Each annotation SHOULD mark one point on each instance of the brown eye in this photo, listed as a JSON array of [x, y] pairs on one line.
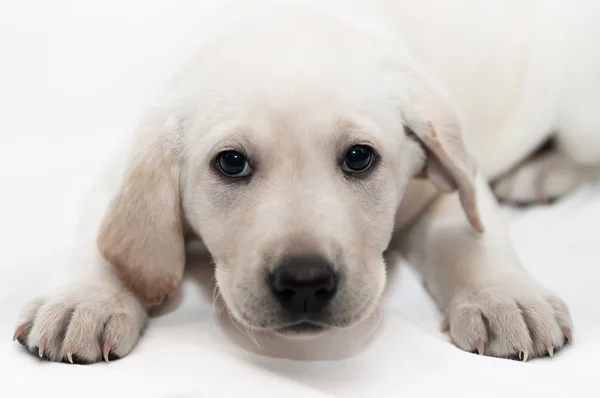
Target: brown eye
[[358, 159], [233, 164]]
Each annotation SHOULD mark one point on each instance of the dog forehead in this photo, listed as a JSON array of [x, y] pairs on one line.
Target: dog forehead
[[285, 65], [274, 90]]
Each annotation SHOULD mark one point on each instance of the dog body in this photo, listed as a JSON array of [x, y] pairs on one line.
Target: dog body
[[437, 100]]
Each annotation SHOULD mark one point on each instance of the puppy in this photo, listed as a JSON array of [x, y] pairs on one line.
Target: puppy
[[305, 141]]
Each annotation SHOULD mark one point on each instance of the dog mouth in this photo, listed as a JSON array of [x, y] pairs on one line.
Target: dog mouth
[[301, 330]]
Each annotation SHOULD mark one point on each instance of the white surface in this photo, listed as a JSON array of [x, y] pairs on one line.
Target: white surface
[[67, 61]]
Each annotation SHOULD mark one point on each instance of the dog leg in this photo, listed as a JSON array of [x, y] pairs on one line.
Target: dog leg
[[546, 176], [95, 316], [491, 304]]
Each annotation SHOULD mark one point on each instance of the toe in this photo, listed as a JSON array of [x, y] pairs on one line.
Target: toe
[[542, 326], [49, 329], [120, 334], [26, 321], [468, 328], [82, 339], [509, 334], [562, 316]]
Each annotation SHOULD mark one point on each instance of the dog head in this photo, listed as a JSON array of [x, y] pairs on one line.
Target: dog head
[[288, 152]]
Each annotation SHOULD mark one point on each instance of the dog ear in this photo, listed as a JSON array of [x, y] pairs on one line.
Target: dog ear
[[432, 119], [141, 235]]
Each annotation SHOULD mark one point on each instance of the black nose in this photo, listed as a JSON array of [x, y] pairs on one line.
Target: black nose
[[303, 284]]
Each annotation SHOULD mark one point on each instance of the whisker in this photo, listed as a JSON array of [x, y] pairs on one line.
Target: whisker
[[216, 295], [245, 331], [252, 337], [217, 313]]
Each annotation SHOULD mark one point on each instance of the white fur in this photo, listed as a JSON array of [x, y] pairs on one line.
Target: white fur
[[515, 72]]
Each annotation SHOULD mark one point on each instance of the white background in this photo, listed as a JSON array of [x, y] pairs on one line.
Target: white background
[[69, 64]]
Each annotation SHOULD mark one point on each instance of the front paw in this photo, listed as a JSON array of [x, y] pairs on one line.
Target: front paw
[[82, 325], [509, 321]]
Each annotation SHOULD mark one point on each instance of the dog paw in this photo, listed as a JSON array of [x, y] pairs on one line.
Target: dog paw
[[82, 325], [517, 322], [541, 179]]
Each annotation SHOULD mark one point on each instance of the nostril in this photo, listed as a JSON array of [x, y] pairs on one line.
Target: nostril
[[285, 295], [324, 294]]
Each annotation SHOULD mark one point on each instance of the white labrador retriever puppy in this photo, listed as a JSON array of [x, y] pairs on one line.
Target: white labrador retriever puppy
[[305, 141]]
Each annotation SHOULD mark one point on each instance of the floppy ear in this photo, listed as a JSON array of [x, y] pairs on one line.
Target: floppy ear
[[141, 236], [432, 118]]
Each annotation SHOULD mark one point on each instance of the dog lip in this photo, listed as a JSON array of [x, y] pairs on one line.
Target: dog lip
[[302, 327]]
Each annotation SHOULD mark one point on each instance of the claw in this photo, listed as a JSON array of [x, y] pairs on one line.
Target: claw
[[19, 332], [480, 347], [550, 350], [445, 326], [42, 347], [523, 355], [70, 355], [567, 333], [106, 350]]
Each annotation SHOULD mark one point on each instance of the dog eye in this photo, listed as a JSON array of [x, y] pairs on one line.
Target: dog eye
[[233, 164], [358, 159]]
